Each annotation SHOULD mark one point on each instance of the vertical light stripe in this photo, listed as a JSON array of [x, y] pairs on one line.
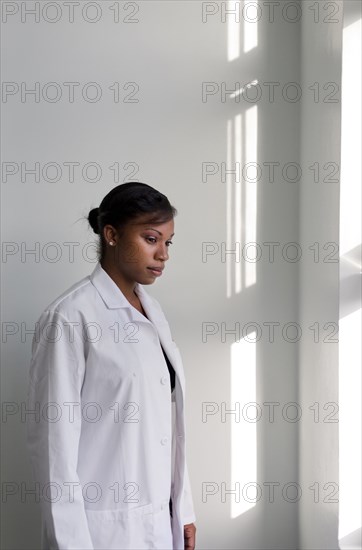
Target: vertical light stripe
[[251, 12], [243, 429], [251, 156], [350, 269], [238, 143], [233, 30], [229, 202]]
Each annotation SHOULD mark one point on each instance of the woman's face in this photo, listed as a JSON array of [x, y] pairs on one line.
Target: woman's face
[[141, 250]]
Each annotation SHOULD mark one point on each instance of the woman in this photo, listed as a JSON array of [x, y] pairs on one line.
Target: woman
[[107, 439]]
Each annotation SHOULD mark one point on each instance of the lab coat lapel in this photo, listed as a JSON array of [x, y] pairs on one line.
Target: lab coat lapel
[[114, 298], [157, 318]]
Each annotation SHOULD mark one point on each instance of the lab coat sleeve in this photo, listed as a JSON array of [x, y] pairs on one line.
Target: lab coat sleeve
[[53, 430], [187, 509], [187, 505]]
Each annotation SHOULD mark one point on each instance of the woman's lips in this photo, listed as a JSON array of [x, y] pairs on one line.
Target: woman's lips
[[155, 271]]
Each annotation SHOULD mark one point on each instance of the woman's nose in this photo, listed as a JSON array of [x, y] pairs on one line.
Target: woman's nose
[[162, 252]]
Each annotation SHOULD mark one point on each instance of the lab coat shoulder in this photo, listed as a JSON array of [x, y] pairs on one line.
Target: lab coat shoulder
[[74, 300], [58, 332]]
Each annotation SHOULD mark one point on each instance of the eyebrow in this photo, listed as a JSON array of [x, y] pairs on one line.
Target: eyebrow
[[159, 232]]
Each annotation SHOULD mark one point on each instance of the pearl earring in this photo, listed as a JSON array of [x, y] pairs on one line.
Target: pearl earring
[[111, 243]]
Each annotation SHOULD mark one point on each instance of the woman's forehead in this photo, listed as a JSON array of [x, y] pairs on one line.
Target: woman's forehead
[[151, 219]]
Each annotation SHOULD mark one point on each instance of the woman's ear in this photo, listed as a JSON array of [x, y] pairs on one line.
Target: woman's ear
[[110, 234]]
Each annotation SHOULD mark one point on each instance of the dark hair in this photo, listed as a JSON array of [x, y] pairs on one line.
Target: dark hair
[[126, 202]]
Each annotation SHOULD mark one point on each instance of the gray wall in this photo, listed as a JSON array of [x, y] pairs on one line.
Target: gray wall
[[179, 141]]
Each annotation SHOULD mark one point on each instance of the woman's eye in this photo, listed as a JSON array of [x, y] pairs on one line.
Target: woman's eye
[[154, 240]]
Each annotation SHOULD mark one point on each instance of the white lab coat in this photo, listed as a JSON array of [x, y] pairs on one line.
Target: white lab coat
[[105, 455]]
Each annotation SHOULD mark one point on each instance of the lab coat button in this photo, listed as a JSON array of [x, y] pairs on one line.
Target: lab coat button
[[164, 380], [164, 440]]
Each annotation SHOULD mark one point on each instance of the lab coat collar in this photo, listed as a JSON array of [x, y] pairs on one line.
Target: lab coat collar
[[114, 298], [107, 288]]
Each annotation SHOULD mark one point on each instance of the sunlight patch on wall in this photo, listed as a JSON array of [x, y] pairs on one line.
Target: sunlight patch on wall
[[243, 428], [350, 234], [233, 32], [234, 206], [251, 160], [251, 15], [350, 424], [241, 180], [350, 295], [241, 16]]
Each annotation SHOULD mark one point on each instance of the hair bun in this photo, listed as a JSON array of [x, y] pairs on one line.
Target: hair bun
[[93, 219]]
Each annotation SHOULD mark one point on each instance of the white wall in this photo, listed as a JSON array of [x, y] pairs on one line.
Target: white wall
[[319, 282], [350, 296], [170, 133]]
